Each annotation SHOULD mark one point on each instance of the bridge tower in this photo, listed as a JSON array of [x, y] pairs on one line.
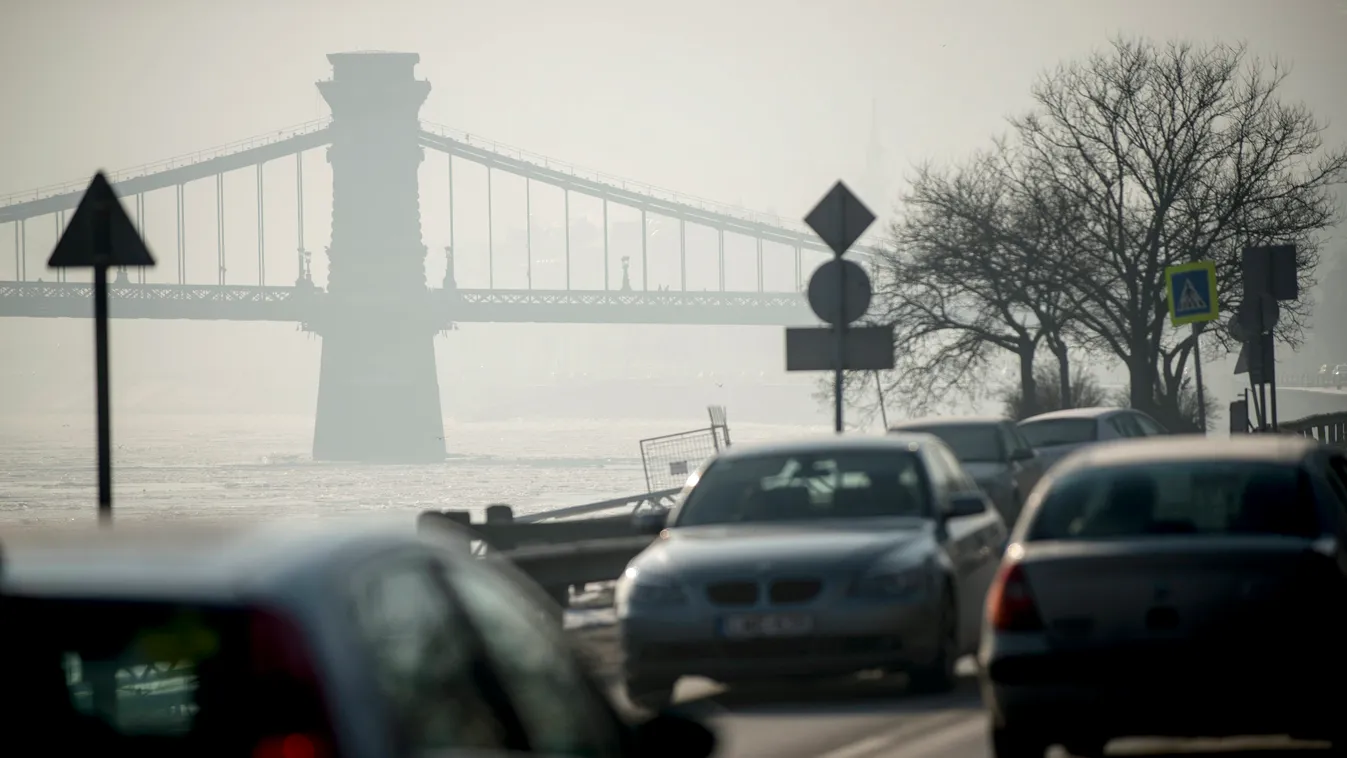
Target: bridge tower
[[378, 393]]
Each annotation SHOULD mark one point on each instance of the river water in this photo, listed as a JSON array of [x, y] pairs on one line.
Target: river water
[[210, 467]]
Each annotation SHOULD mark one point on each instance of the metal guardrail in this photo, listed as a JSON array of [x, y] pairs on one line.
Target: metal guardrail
[[558, 550], [1315, 380], [1328, 428]]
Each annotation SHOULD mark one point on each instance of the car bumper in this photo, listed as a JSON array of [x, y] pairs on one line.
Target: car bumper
[[844, 640], [1116, 695]]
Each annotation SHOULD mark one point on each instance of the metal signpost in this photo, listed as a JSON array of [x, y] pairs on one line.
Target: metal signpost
[[101, 235], [839, 294], [1192, 300], [1270, 276]]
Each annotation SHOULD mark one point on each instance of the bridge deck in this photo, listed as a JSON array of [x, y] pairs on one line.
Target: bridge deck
[[252, 303]]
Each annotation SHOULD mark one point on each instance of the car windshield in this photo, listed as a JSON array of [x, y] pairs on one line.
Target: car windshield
[[808, 487], [1184, 498], [971, 443], [1060, 431]]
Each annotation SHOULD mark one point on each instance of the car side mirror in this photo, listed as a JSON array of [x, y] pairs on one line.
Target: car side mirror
[[668, 734], [650, 522], [966, 504], [1022, 454]]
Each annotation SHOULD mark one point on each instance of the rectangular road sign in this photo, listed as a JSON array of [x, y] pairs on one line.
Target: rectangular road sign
[[812, 348], [1192, 292], [1270, 270]]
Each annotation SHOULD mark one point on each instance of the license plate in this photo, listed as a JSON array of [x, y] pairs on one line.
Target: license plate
[[772, 625]]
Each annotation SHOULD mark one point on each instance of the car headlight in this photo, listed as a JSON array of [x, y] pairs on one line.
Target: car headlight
[[906, 583], [644, 590]]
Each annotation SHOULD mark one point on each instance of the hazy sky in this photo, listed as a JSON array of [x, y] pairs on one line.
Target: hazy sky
[[759, 103]]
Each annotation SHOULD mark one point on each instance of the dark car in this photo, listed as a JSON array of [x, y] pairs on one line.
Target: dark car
[[359, 640], [1181, 587], [993, 451]]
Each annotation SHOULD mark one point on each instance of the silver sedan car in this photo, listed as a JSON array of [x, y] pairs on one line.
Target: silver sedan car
[[1057, 434], [814, 558]]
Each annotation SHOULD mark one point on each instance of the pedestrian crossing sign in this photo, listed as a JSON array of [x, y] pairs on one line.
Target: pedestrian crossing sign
[[1192, 292]]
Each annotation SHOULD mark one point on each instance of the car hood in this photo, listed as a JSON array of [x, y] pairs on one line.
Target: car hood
[[984, 472], [713, 551]]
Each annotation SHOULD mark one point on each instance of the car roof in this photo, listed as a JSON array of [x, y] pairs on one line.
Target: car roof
[[1082, 413], [227, 561], [1271, 448], [894, 441], [945, 421]]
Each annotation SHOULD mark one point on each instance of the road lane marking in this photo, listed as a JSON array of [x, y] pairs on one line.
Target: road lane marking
[[918, 729], [860, 748], [939, 741]]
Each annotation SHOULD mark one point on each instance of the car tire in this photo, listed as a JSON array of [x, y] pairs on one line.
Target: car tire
[[650, 695], [938, 676], [1008, 742]]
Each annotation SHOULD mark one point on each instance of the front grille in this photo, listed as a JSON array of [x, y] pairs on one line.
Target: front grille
[[732, 593], [786, 591]]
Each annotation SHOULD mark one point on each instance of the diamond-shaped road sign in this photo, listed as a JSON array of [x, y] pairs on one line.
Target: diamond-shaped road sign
[[840, 218], [100, 233]]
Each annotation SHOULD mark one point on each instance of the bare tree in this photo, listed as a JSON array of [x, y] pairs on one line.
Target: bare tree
[[973, 272], [1084, 392], [1169, 154]]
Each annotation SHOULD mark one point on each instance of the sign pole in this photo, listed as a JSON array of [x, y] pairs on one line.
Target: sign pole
[[839, 293], [102, 228], [100, 236], [1197, 370], [1271, 368], [838, 374]]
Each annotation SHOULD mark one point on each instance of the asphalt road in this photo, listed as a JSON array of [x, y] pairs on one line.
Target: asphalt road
[[876, 719]]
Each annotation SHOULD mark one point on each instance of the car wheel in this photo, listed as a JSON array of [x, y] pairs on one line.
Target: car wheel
[[650, 695], [1014, 743], [938, 675]]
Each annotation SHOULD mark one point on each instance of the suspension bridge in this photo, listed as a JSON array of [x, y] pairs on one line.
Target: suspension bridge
[[376, 312]]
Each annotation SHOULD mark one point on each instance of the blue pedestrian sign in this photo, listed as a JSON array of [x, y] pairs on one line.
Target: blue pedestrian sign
[[1192, 292]]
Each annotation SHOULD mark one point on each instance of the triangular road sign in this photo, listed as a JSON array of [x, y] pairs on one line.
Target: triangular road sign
[[124, 244], [1189, 300]]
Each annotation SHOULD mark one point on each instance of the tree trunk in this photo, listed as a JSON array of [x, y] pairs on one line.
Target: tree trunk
[[1028, 386], [1141, 381], [1059, 349]]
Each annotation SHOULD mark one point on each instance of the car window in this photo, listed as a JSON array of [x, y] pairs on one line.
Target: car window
[[129, 669], [423, 653], [809, 486], [1337, 477], [970, 443], [1015, 444], [559, 709], [1149, 426], [1125, 425], [1059, 431], [1184, 498], [959, 479]]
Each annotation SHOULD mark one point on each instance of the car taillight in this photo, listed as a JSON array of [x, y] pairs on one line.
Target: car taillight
[[289, 704], [1010, 603]]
